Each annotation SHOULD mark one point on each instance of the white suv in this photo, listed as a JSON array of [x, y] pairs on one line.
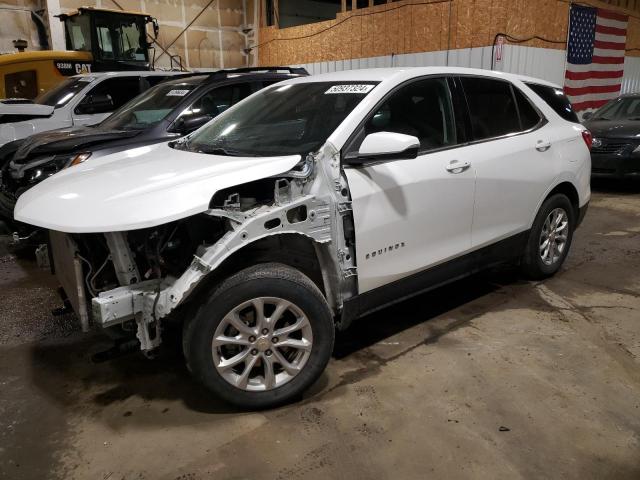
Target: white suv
[[309, 204], [78, 100]]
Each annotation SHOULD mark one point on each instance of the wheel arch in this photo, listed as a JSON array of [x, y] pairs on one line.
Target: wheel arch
[[294, 249], [564, 187], [570, 191]]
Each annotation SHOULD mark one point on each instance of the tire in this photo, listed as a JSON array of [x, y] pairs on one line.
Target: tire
[[268, 383], [534, 264]]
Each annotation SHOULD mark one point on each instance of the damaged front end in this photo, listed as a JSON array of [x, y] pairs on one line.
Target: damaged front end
[[138, 279]]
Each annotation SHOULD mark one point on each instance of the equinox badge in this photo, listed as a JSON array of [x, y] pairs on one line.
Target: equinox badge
[[382, 251]]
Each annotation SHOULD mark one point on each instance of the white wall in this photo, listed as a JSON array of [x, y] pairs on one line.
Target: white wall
[[542, 63], [15, 23]]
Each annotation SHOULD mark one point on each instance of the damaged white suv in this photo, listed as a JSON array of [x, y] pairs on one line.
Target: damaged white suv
[[309, 204]]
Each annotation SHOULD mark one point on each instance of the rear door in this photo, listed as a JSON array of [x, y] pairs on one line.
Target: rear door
[[411, 214], [513, 157]]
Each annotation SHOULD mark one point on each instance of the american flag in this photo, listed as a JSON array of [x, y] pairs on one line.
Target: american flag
[[595, 56]]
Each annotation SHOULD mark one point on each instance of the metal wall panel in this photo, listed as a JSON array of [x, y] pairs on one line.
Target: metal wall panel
[[631, 79], [544, 63]]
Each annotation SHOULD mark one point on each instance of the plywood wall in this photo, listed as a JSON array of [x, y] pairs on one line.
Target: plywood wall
[[213, 40], [628, 4], [412, 26]]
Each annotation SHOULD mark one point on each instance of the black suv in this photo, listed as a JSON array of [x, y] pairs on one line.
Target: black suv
[[167, 111]]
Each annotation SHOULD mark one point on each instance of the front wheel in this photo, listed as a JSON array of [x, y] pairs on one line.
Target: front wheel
[[262, 338], [550, 238]]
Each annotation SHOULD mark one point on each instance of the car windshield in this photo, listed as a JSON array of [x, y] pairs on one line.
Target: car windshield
[[620, 109], [149, 108], [281, 120], [64, 92]]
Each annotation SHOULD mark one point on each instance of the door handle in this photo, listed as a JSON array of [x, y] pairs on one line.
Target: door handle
[[455, 166], [543, 145]]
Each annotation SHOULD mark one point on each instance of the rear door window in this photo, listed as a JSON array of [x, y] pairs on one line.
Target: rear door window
[[556, 99], [529, 116], [492, 107]]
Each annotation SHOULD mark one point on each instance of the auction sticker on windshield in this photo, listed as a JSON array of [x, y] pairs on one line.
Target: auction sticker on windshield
[[177, 93], [352, 88]]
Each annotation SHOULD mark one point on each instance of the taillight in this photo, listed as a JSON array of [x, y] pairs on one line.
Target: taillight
[[588, 138]]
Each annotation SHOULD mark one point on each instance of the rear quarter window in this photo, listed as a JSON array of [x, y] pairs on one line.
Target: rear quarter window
[[556, 99], [529, 116]]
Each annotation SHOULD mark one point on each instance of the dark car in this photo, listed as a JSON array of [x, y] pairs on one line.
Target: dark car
[[165, 112], [615, 151]]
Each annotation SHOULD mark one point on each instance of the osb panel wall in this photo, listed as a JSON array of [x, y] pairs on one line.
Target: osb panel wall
[[17, 24], [214, 40], [412, 26], [629, 4]]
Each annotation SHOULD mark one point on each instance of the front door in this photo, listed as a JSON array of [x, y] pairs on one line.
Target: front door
[[412, 214]]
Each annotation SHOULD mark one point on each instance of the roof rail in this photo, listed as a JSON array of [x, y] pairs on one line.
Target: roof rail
[[292, 70]]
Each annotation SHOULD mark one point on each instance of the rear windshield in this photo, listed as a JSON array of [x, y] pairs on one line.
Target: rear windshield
[[64, 92], [149, 108], [557, 100]]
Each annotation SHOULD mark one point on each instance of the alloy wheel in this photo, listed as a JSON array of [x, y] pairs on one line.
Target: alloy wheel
[[262, 344], [553, 238]]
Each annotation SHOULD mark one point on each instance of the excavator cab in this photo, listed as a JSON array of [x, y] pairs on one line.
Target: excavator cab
[[97, 40], [117, 40]]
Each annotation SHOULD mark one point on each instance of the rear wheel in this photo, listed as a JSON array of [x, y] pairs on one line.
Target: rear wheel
[[262, 338], [550, 238]]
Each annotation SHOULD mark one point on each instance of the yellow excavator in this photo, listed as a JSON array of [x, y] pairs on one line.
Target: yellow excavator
[[97, 40]]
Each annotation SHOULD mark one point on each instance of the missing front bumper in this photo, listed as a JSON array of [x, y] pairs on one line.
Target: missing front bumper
[[122, 304]]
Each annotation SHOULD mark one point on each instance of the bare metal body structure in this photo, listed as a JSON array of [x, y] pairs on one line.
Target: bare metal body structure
[[317, 188]]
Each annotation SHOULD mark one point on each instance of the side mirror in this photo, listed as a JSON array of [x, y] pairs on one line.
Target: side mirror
[[383, 146], [587, 115], [190, 123], [98, 103]]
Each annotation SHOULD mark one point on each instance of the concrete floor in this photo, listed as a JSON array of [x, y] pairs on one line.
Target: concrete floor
[[492, 377]]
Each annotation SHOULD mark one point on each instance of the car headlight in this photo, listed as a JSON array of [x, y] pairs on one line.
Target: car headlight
[[35, 175], [79, 158], [54, 165], [637, 149]]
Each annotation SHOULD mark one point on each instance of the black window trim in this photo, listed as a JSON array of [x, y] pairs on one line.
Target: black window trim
[[543, 119], [347, 148], [454, 79]]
